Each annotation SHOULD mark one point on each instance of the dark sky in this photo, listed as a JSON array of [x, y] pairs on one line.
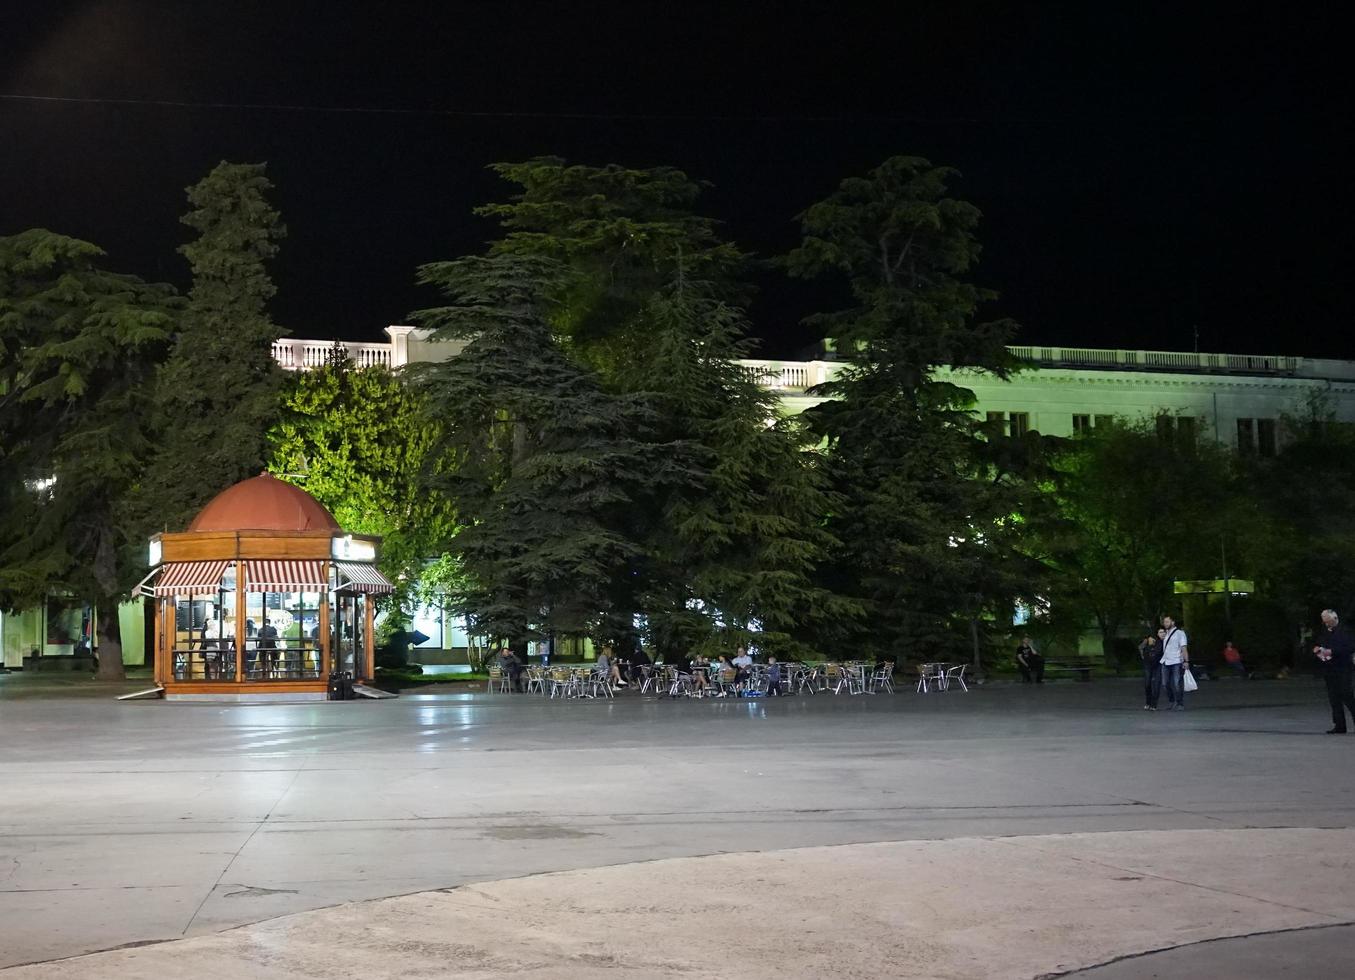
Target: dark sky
[[1141, 173]]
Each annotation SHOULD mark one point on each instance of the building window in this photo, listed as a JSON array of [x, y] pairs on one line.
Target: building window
[[1101, 420], [1179, 429], [1009, 423], [1082, 424], [1256, 436], [1265, 436]]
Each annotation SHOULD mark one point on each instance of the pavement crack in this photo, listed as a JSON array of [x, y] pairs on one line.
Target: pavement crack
[[1027, 844], [239, 850]]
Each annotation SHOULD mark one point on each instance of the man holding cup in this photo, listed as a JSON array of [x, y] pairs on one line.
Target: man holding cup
[[1334, 649]]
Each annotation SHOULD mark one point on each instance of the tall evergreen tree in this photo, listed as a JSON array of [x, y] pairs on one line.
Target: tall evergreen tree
[[732, 555], [653, 306], [544, 459], [220, 389], [918, 512], [78, 349]]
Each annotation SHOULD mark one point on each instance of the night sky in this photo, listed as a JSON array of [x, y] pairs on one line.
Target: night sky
[[1141, 174]]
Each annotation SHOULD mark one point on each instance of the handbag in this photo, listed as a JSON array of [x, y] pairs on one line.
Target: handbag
[[1188, 681]]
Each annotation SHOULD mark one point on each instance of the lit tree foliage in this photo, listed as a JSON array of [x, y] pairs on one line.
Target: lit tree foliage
[[359, 440]]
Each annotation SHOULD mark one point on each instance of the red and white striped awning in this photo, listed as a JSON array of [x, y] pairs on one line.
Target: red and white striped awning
[[190, 577], [362, 578], [285, 576]]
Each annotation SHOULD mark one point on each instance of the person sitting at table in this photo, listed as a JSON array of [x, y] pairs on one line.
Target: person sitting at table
[[728, 675], [700, 674], [639, 660], [512, 668], [682, 668], [743, 664], [607, 669]]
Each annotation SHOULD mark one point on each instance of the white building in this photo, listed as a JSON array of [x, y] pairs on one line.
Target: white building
[[1238, 399]]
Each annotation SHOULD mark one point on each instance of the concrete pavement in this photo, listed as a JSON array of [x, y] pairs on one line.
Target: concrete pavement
[[964, 908], [149, 821]]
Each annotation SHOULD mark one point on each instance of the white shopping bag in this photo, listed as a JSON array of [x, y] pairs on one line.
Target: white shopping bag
[[1188, 681]]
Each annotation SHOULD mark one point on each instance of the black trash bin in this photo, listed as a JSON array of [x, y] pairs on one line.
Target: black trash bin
[[341, 685]]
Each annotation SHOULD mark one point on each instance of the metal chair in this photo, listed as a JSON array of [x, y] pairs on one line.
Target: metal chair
[[498, 680], [536, 680], [883, 677], [956, 674], [923, 677]]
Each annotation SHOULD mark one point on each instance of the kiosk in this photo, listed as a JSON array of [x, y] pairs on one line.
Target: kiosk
[[264, 594]]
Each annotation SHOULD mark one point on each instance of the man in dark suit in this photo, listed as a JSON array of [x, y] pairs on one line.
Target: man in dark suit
[[1335, 650]]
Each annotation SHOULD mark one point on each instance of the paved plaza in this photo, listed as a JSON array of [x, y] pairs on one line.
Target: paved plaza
[[1013, 831]]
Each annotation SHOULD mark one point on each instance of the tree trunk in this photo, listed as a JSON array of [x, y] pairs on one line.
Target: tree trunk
[[109, 645], [977, 667]]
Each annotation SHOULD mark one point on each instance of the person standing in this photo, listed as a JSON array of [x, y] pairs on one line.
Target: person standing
[[268, 647], [773, 678], [1029, 662], [1175, 659], [1335, 650], [1150, 656]]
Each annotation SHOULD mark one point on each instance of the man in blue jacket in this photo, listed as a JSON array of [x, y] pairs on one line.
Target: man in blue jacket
[[1335, 650]]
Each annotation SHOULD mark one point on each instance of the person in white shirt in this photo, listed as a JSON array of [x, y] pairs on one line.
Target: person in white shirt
[[743, 665], [1175, 659]]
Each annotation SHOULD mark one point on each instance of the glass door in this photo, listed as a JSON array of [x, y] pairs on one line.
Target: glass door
[[350, 627]]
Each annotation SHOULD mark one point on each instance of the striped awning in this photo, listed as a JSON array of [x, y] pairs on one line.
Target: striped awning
[[190, 577], [285, 576], [362, 578]]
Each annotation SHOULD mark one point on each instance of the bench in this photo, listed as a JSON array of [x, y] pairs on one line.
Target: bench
[[1081, 666]]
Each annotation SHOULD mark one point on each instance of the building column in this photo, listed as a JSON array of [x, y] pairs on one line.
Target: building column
[[399, 335]]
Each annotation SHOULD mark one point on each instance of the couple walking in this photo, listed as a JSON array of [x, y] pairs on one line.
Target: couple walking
[[1165, 658]]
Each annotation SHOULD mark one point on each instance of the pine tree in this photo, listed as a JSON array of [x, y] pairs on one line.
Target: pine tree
[[919, 514], [220, 389], [653, 305], [732, 555], [545, 460], [78, 348]]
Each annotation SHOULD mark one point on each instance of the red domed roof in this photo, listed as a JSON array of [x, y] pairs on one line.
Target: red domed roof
[[264, 504]]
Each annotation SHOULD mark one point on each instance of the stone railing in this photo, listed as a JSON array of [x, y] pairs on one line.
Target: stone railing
[[798, 376], [789, 375], [303, 355], [1111, 359]]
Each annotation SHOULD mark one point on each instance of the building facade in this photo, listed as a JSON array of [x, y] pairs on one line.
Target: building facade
[[1238, 400]]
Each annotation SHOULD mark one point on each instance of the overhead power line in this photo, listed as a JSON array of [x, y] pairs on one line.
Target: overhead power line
[[498, 113]]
